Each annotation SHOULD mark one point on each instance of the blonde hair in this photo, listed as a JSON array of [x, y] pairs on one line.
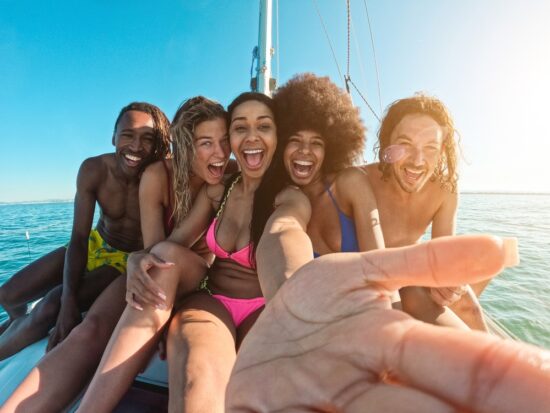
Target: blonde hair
[[191, 112]]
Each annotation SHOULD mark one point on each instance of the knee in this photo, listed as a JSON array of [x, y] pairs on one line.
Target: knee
[[92, 331], [168, 250], [47, 310], [8, 296]]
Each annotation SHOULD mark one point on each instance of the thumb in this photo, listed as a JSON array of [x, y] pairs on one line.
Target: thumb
[[445, 261], [160, 263]]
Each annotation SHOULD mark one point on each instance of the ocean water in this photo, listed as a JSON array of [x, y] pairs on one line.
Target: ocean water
[[519, 298]]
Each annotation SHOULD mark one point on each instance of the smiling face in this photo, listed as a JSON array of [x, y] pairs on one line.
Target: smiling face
[[134, 141], [421, 139], [253, 137], [303, 157], [212, 150]]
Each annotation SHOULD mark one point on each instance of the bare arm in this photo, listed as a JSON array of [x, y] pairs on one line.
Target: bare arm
[[444, 221], [76, 257], [284, 246], [355, 189], [152, 190], [140, 287]]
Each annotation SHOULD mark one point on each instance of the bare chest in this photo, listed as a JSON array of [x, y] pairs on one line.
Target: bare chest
[[405, 223], [324, 227], [118, 201]]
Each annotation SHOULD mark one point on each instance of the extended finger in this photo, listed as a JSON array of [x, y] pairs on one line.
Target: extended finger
[[149, 283], [159, 262], [472, 370], [52, 340], [441, 262], [143, 278], [145, 296]]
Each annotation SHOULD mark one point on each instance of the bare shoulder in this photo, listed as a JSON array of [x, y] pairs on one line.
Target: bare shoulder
[[351, 176], [156, 170], [291, 194], [94, 170], [351, 182]]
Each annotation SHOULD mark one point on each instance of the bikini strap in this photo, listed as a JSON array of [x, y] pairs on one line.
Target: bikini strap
[[327, 187], [222, 205]]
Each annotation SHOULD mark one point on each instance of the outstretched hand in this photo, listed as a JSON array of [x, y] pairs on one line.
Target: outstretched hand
[[141, 289], [329, 340]]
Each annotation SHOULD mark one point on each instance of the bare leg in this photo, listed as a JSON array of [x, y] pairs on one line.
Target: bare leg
[[417, 302], [62, 373], [137, 331], [201, 354], [31, 283], [34, 326]]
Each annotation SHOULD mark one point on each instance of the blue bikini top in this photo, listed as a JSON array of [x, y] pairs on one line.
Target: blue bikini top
[[347, 227]]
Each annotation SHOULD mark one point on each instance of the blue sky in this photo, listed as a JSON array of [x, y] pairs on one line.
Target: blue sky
[[66, 69]]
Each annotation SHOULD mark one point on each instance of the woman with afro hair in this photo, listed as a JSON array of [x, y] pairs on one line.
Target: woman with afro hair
[[311, 186]]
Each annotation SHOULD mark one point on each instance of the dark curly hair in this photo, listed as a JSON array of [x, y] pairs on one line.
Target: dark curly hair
[[446, 169], [161, 127], [309, 102]]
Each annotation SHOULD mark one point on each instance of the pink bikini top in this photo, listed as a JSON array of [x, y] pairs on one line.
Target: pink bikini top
[[241, 256]]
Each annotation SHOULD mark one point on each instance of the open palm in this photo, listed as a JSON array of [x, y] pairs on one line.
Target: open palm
[[330, 342]]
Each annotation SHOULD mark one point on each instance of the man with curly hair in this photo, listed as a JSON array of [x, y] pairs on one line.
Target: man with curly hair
[[415, 184], [71, 277]]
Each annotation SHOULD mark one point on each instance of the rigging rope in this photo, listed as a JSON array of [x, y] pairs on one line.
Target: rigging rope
[[364, 100], [328, 39], [374, 56]]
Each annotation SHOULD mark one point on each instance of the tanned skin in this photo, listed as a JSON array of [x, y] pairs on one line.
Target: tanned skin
[[409, 200], [112, 181]]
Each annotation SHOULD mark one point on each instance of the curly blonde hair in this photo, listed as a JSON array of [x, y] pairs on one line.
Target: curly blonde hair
[[191, 112]]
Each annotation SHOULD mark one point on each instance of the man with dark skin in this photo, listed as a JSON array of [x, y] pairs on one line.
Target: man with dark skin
[[70, 278], [415, 185]]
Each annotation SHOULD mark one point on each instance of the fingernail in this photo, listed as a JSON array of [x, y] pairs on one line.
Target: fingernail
[[170, 263], [511, 254], [160, 307], [161, 295]]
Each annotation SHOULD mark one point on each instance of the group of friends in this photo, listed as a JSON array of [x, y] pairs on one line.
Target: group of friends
[[314, 259]]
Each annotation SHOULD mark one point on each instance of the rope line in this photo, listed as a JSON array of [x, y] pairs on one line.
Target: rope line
[[374, 56], [328, 39], [364, 100]]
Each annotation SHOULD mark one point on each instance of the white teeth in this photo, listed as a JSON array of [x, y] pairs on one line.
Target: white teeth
[[218, 164], [303, 163], [132, 157], [252, 151]]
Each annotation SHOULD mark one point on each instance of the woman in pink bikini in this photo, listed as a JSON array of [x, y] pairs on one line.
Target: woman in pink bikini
[[206, 331]]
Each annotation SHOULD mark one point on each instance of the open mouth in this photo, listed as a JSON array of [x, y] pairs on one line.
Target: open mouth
[[302, 169], [216, 169], [412, 176], [132, 160], [253, 158]]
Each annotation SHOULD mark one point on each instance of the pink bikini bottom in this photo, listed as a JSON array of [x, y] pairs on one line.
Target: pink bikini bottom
[[240, 308]]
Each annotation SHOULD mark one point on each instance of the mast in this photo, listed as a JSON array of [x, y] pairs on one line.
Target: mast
[[263, 82]]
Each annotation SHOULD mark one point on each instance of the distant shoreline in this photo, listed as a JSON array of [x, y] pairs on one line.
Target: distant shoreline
[[63, 201], [44, 201]]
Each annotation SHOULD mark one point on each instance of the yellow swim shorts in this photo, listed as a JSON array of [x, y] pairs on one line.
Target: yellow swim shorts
[[100, 253]]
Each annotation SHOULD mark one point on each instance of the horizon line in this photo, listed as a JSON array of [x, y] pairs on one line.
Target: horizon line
[[464, 192]]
